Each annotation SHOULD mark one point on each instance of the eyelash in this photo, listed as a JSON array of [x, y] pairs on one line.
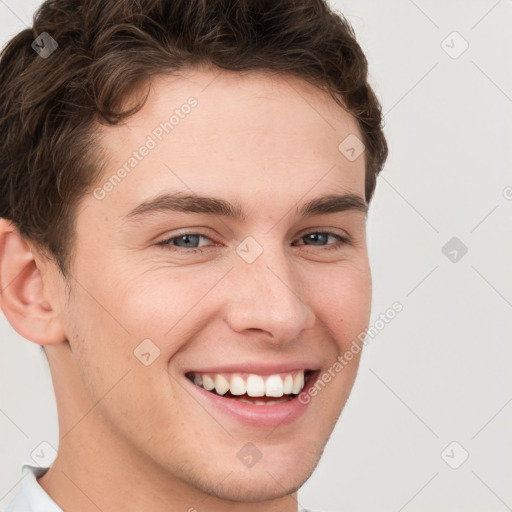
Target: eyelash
[[343, 241]]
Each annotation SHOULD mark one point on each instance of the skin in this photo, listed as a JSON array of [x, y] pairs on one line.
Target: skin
[[131, 437]]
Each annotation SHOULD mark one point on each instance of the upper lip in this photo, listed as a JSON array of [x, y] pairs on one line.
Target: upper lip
[[258, 368]]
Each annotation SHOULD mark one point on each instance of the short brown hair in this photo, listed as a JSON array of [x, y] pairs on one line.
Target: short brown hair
[[107, 49]]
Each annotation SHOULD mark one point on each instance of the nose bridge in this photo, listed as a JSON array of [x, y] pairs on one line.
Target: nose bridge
[[267, 293]]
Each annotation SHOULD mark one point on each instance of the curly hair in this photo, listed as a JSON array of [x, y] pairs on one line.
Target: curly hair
[[50, 107]]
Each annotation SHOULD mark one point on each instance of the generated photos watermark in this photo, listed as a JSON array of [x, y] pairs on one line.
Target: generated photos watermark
[[152, 140], [356, 346]]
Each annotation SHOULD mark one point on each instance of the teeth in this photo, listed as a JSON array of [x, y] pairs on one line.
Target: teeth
[[274, 386], [288, 385], [253, 385], [298, 383], [237, 385], [263, 402], [221, 385], [208, 383]]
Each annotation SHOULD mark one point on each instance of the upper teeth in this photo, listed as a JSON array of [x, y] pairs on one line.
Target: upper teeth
[[254, 385]]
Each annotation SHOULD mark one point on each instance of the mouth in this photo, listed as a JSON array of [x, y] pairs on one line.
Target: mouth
[[254, 389]]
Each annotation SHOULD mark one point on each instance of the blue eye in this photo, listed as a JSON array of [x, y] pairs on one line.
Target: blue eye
[[185, 241], [190, 242], [320, 238]]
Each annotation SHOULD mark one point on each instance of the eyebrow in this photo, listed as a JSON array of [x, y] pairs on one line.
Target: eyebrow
[[192, 203]]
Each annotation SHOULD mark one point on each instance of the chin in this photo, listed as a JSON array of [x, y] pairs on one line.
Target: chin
[[257, 488], [277, 475]]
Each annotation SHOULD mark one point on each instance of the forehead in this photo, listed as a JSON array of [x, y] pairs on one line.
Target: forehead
[[233, 135]]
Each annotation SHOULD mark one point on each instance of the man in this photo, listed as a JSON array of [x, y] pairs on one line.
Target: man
[[184, 196]]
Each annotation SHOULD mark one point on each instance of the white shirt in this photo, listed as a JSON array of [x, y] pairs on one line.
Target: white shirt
[[32, 497]]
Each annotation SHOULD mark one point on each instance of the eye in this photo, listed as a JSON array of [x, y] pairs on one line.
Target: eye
[[321, 238], [189, 241]]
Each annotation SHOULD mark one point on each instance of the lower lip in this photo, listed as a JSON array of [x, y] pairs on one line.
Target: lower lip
[[265, 416]]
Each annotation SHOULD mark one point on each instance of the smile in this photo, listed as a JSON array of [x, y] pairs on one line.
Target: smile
[[252, 388]]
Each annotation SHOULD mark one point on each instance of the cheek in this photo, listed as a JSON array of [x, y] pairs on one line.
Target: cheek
[[342, 301], [343, 309], [128, 393], [161, 300], [122, 306], [102, 347]]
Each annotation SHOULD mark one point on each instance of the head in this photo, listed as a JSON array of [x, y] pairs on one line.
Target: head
[[184, 188]]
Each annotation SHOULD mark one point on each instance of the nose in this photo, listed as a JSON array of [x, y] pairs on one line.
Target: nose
[[266, 295]]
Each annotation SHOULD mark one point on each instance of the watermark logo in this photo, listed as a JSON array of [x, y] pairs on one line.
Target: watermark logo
[[44, 454], [454, 45], [44, 45], [146, 352], [455, 455], [454, 249], [249, 249], [249, 455], [351, 147]]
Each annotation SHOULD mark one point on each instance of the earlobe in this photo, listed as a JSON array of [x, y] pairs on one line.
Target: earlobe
[[22, 297]]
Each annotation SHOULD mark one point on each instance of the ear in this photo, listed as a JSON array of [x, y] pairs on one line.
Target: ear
[[31, 312]]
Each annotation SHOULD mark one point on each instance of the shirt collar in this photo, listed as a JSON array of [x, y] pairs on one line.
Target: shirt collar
[[31, 496]]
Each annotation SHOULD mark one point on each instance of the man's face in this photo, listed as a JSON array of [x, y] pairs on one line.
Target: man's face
[[272, 292]]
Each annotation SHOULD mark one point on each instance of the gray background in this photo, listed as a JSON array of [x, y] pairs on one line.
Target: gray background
[[441, 370]]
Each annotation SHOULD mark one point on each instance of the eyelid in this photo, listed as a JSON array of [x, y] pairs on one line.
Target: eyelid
[[343, 239], [326, 231], [166, 241]]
